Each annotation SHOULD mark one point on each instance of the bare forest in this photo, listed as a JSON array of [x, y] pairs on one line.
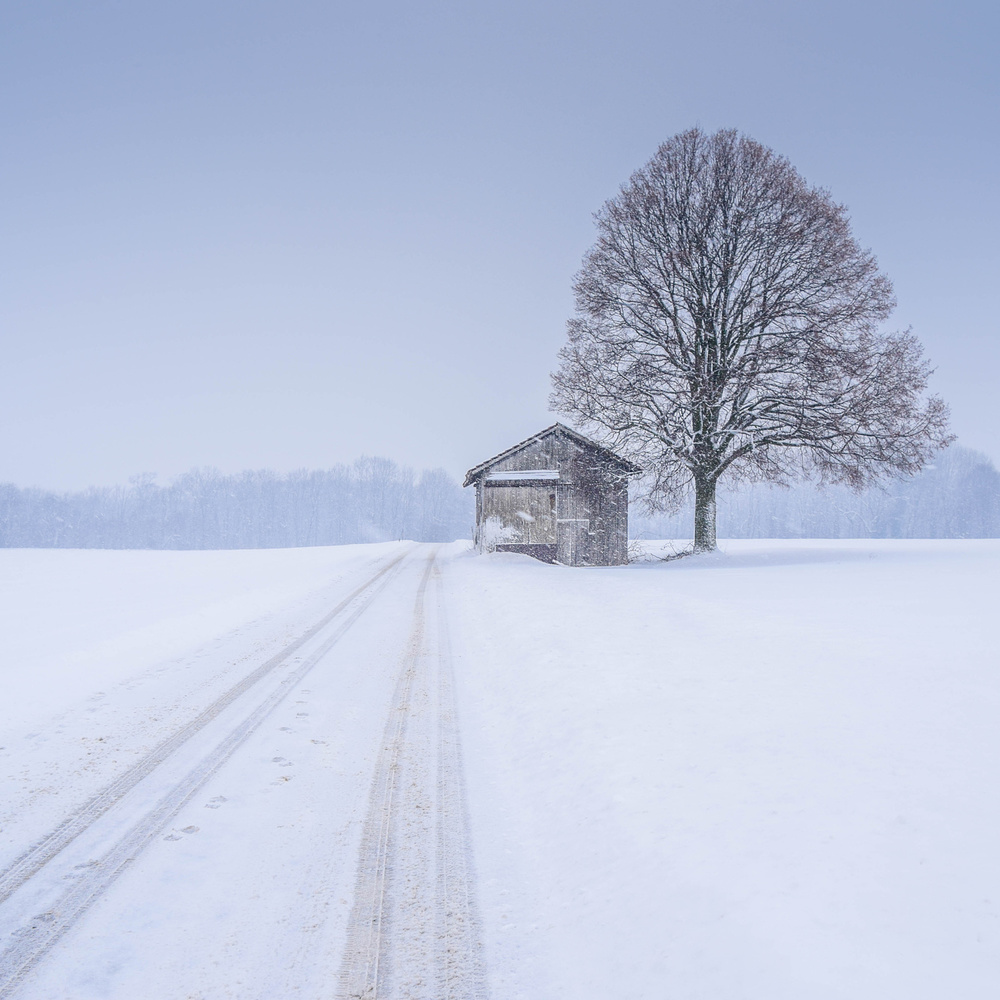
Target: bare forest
[[372, 500], [956, 496]]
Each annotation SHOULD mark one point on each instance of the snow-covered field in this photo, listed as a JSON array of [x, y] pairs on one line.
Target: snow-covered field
[[768, 773]]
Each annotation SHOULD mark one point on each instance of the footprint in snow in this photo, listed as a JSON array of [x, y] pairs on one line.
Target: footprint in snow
[[172, 836], [190, 829], [216, 802]]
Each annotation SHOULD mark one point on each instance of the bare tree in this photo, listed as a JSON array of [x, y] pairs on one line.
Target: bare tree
[[727, 323]]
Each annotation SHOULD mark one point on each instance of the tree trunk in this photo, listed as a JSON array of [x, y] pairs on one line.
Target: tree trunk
[[704, 514]]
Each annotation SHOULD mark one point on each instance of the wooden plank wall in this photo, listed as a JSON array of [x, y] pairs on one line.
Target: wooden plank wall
[[588, 521]]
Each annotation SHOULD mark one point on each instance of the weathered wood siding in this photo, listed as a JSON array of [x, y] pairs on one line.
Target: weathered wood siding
[[539, 455]]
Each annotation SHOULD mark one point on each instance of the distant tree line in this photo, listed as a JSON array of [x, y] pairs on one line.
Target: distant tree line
[[957, 496], [372, 500]]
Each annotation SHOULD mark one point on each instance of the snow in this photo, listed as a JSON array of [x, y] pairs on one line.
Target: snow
[[518, 476], [76, 621], [764, 773]]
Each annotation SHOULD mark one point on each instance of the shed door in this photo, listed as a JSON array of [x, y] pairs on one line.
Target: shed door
[[573, 541]]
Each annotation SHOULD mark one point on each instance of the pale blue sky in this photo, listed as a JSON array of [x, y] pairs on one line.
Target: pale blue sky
[[259, 234]]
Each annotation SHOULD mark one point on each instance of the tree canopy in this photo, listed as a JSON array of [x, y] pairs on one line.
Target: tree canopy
[[728, 323]]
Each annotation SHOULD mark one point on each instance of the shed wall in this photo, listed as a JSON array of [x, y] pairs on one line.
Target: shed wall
[[588, 521]]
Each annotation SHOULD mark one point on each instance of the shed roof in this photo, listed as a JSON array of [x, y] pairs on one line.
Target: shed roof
[[629, 467]]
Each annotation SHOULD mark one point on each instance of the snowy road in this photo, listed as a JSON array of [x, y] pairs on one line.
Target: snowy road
[[209, 819], [401, 770]]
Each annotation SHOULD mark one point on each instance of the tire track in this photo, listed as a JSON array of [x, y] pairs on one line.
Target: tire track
[[28, 864], [461, 971], [414, 930], [364, 959], [36, 938]]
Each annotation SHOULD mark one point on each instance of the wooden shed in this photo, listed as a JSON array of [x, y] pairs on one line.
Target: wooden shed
[[558, 496]]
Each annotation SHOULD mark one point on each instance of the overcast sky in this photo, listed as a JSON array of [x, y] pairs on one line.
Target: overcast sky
[[282, 235]]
